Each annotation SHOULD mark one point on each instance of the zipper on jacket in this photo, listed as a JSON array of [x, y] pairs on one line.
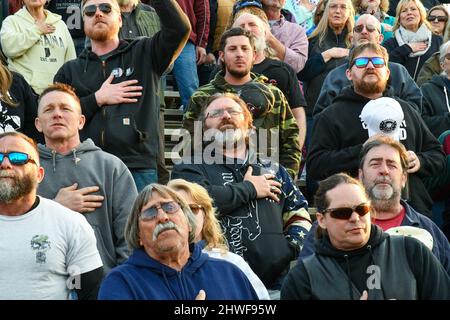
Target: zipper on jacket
[[104, 68]]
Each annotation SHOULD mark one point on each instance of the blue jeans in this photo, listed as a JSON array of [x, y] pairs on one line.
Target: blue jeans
[[144, 177], [185, 72]]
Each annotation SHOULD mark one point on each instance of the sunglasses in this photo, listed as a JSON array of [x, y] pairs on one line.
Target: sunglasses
[[220, 112], [195, 208], [345, 213], [369, 27], [16, 158], [152, 212], [362, 62], [438, 18], [91, 9]]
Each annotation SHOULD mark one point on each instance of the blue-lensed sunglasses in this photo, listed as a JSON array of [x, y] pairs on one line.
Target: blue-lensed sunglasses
[[362, 62], [16, 158], [152, 212]]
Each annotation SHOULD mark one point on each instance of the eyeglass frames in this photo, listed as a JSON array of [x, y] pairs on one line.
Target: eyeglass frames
[[16, 158], [151, 213], [345, 213], [362, 62], [91, 9]]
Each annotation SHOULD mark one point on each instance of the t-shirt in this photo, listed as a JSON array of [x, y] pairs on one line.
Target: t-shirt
[[393, 222], [43, 251]]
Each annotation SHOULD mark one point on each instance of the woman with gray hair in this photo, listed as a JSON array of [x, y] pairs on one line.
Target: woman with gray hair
[[436, 94], [164, 265]]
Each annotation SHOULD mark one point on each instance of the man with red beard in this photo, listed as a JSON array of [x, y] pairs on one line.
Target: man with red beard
[[117, 82], [340, 132], [262, 212]]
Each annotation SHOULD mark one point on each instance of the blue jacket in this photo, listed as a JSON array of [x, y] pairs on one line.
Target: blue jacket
[[441, 246], [143, 278]]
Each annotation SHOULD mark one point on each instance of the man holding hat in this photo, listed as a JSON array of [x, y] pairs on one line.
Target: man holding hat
[[367, 108]]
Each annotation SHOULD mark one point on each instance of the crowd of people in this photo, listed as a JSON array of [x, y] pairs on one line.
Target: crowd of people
[[349, 96]]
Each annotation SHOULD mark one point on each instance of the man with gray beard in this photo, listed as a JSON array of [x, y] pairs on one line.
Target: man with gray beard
[[47, 251], [383, 170], [262, 212]]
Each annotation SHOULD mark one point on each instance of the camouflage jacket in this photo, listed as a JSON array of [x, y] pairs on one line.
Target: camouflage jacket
[[277, 118]]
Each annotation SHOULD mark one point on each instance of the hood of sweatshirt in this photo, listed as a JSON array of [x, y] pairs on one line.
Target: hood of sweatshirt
[[47, 153], [140, 258], [348, 94], [52, 18]]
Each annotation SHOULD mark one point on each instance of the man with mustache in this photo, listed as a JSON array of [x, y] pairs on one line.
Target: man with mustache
[[262, 212], [383, 170], [47, 250], [340, 129], [122, 117], [165, 263], [368, 29], [268, 105]]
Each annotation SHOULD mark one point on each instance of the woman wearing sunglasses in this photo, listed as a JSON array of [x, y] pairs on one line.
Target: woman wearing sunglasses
[[18, 104], [36, 43], [413, 42], [362, 261], [438, 18], [377, 8]]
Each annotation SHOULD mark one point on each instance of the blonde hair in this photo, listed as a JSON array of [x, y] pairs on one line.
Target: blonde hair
[[384, 6], [422, 12], [6, 79], [322, 28], [211, 230]]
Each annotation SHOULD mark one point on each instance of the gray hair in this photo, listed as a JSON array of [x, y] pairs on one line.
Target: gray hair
[[132, 227], [443, 51]]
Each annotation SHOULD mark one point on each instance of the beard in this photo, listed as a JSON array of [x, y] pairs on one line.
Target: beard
[[227, 135], [237, 73], [366, 87], [383, 198], [103, 34], [14, 188], [260, 44]]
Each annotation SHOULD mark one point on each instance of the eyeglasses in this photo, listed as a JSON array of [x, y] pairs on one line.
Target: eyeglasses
[[345, 213], [195, 208], [438, 18], [16, 158], [369, 27], [152, 212], [91, 9], [362, 62], [220, 112]]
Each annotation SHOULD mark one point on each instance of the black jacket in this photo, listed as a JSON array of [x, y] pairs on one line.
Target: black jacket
[[400, 54], [20, 117], [316, 69], [399, 268], [436, 106], [129, 131], [339, 135], [267, 234]]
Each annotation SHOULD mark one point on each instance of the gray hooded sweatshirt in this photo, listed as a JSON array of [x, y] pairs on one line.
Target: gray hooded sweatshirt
[[88, 166]]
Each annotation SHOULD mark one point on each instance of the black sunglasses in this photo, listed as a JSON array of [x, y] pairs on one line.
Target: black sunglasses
[[16, 158], [345, 213], [91, 9], [438, 18], [151, 213]]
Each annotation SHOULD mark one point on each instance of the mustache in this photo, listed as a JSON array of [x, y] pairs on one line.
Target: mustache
[[6, 174], [163, 227], [384, 179]]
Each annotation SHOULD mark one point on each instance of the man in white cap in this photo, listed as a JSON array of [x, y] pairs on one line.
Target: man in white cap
[[341, 129]]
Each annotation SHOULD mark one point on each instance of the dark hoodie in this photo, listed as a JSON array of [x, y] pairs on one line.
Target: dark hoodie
[[129, 130], [143, 278], [436, 105], [399, 268], [339, 135]]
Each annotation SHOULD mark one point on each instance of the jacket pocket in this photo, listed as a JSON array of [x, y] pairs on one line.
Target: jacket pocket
[[123, 137]]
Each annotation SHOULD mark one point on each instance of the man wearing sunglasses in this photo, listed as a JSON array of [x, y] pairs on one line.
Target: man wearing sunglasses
[[368, 29], [383, 167], [117, 82], [47, 249], [82, 177], [341, 129], [262, 212], [362, 261]]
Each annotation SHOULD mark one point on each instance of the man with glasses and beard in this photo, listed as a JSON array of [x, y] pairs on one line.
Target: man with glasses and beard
[[262, 212], [367, 108], [46, 250], [363, 261], [118, 81], [383, 167]]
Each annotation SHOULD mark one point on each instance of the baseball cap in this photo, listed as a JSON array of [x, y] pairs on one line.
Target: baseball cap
[[420, 234], [383, 116], [246, 3]]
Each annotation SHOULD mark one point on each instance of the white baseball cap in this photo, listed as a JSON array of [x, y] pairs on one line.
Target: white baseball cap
[[383, 116], [420, 234]]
